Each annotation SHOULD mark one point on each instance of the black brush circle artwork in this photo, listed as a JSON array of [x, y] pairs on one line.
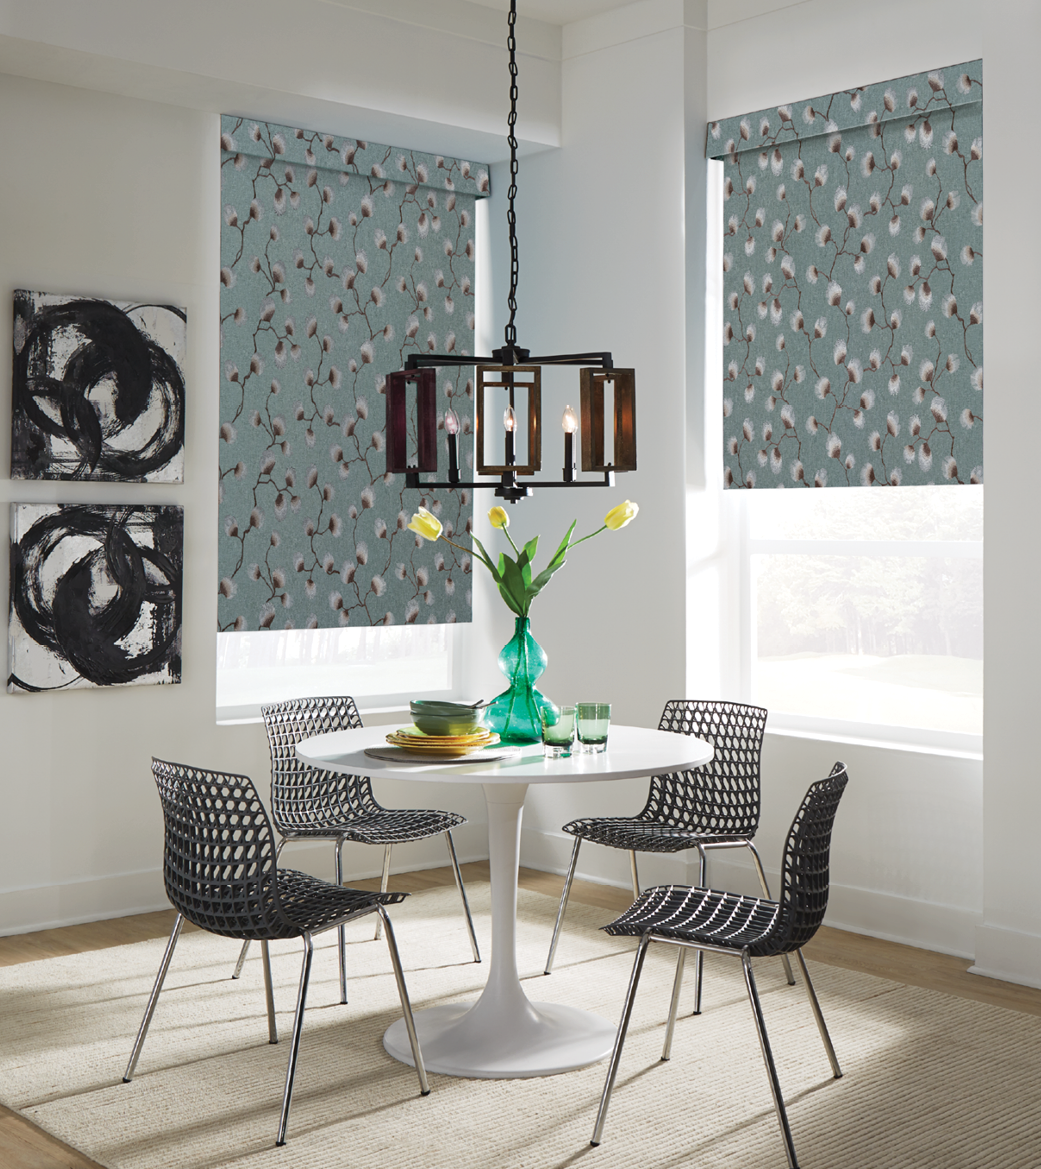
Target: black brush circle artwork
[[98, 589], [94, 395]]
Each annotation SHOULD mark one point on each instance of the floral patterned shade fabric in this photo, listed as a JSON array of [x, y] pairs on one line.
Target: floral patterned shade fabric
[[338, 258], [853, 286]]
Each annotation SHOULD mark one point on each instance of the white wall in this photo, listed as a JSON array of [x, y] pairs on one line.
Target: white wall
[[118, 196], [413, 73], [921, 852], [614, 223], [933, 850], [605, 267], [1008, 943]]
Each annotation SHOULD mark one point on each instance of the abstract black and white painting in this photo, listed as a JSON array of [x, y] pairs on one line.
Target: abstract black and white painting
[[98, 389], [95, 595]]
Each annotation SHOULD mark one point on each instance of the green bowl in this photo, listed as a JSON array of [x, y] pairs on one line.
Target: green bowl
[[445, 718]]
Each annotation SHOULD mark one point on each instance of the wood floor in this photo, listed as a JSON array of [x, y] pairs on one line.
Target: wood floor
[[24, 1146]]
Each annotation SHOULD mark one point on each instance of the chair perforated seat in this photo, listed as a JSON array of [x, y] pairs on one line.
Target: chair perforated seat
[[221, 874], [312, 803], [311, 903], [715, 806], [678, 911], [636, 835], [744, 927]]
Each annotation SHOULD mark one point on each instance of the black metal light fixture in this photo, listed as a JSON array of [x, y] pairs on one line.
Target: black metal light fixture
[[512, 369]]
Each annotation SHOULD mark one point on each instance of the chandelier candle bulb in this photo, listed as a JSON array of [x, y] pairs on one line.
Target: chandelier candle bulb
[[509, 420], [570, 424], [452, 429]]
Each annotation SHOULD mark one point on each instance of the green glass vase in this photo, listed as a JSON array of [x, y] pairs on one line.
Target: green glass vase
[[515, 713]]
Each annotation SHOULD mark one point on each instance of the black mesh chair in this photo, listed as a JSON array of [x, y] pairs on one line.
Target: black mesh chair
[[742, 927], [309, 804], [221, 875], [712, 807]]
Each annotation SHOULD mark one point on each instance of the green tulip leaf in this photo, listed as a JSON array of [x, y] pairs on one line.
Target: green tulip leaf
[[486, 560], [513, 580], [511, 603], [562, 551]]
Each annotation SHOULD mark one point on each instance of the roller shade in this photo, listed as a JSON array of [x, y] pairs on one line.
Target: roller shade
[[338, 258], [853, 286]]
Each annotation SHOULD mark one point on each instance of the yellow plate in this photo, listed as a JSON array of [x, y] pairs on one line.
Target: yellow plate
[[449, 752], [457, 745], [414, 735], [468, 741]]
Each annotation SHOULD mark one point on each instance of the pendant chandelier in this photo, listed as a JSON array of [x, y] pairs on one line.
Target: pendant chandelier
[[512, 372]]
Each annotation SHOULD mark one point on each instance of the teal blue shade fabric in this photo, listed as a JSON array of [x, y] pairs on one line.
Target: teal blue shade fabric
[[339, 257], [853, 286]]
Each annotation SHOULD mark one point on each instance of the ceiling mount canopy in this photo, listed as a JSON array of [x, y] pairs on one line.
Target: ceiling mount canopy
[[512, 372]]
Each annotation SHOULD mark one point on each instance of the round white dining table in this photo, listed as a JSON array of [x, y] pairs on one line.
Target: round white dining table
[[503, 1035]]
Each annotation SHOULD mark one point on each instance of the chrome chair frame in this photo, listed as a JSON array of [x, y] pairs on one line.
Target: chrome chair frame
[[712, 807], [741, 927], [221, 874], [312, 804]]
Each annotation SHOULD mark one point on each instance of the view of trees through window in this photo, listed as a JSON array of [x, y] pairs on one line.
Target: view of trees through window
[[868, 605]]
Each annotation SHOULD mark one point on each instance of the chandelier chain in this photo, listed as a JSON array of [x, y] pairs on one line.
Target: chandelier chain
[[511, 215]]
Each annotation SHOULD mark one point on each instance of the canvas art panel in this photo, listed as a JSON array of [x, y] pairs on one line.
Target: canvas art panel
[[95, 595], [97, 390]]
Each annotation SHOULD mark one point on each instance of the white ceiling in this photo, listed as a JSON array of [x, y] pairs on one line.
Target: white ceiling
[[556, 11]]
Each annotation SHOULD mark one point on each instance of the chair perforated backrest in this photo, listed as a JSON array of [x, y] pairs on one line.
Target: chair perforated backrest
[[722, 797], [306, 798], [219, 853], [806, 866]]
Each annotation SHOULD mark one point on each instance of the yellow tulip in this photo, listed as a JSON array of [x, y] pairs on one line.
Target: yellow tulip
[[619, 516], [425, 524], [499, 517]]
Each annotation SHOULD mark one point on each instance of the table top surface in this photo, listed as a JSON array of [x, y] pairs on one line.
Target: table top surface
[[631, 752]]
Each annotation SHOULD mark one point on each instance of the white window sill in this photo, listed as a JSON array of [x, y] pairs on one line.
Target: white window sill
[[887, 738], [230, 716]]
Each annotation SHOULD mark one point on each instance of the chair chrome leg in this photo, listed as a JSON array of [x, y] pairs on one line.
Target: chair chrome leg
[[384, 882], [616, 1051], [677, 983], [766, 892], [565, 893], [634, 874], [406, 1006], [699, 957], [269, 993], [153, 998], [242, 959], [462, 893], [341, 930], [768, 1059], [817, 1014], [294, 1047]]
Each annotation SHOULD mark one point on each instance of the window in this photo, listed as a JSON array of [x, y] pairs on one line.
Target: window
[[379, 667], [863, 612]]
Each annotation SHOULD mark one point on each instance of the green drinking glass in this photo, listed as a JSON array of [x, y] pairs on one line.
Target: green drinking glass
[[558, 731], [592, 721]]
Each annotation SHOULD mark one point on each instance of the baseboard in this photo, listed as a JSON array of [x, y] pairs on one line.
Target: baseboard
[[44, 907], [1007, 954], [75, 902], [947, 929]]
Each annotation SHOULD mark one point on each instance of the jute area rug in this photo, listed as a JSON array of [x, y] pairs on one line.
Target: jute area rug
[[930, 1080]]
